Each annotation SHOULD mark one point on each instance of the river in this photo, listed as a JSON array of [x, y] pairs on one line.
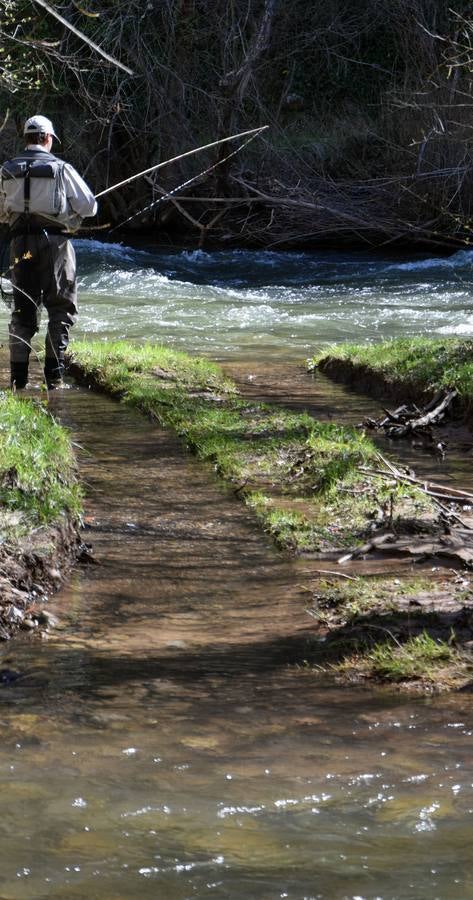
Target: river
[[244, 304], [162, 743]]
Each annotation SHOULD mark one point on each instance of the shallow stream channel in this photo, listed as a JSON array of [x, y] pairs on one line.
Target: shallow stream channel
[[167, 740]]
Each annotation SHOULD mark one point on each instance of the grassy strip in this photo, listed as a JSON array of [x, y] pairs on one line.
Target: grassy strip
[[422, 661], [421, 364], [300, 476], [411, 632], [38, 482]]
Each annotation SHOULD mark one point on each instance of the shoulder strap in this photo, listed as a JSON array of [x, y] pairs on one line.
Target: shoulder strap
[[27, 188]]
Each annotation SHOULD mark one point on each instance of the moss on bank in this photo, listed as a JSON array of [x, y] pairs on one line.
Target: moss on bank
[[40, 505], [412, 365]]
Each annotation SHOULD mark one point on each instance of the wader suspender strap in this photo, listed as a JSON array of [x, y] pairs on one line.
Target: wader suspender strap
[[27, 188], [27, 205]]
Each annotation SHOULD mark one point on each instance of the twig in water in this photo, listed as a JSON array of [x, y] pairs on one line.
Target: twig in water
[[332, 572]]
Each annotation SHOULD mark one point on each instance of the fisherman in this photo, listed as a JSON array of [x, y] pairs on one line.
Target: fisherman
[[43, 200]]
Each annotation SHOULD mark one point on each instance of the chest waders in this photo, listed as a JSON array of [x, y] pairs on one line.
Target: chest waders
[[42, 260]]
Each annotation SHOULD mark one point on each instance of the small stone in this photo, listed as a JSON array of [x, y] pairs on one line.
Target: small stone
[[85, 553], [54, 574], [14, 615], [294, 101], [44, 617], [29, 624], [8, 676]]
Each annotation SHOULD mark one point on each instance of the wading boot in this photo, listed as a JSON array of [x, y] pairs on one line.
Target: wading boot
[[18, 375], [53, 372]]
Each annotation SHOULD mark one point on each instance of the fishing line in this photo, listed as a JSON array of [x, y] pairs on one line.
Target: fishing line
[[184, 184]]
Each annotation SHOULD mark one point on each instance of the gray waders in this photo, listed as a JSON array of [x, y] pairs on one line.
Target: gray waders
[[43, 273]]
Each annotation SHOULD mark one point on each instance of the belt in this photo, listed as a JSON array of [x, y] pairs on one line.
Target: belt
[[33, 228]]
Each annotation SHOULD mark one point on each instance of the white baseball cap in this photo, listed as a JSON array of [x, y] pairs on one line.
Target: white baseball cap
[[39, 125]]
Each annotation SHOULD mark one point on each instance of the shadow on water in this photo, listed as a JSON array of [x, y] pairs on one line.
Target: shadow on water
[[160, 746]]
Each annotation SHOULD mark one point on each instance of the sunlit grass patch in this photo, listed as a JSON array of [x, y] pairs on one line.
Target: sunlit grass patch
[[425, 363], [291, 529], [422, 660], [332, 452], [38, 481], [418, 657], [115, 360]]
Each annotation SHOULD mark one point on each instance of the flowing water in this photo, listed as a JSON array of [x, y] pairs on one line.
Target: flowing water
[[280, 305], [235, 303], [163, 744]]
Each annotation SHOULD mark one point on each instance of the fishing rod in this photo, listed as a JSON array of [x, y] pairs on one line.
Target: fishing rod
[[232, 137], [184, 184]]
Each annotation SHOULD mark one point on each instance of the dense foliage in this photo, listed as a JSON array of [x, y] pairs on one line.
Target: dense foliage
[[368, 104]]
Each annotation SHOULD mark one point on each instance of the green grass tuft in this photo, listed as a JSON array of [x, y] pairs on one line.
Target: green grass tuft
[[419, 657], [115, 360], [38, 480]]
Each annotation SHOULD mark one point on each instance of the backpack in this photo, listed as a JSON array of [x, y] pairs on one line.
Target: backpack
[[33, 183]]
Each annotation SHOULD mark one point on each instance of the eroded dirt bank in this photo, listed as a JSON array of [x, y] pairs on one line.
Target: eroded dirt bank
[[361, 378], [407, 369], [40, 504], [31, 571]]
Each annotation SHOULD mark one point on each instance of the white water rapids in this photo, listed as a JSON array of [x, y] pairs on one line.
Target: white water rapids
[[246, 303]]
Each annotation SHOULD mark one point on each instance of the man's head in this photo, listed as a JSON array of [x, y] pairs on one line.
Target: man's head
[[40, 130]]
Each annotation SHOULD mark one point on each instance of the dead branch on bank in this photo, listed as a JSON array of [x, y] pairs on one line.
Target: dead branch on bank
[[408, 419], [450, 536]]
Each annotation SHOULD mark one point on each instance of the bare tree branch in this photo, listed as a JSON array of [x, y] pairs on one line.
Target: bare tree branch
[[110, 59]]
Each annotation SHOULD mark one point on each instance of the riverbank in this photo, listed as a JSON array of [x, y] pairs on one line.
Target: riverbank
[[413, 629], [404, 369], [321, 492], [39, 512]]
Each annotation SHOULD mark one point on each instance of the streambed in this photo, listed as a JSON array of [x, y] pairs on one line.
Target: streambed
[[161, 744]]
